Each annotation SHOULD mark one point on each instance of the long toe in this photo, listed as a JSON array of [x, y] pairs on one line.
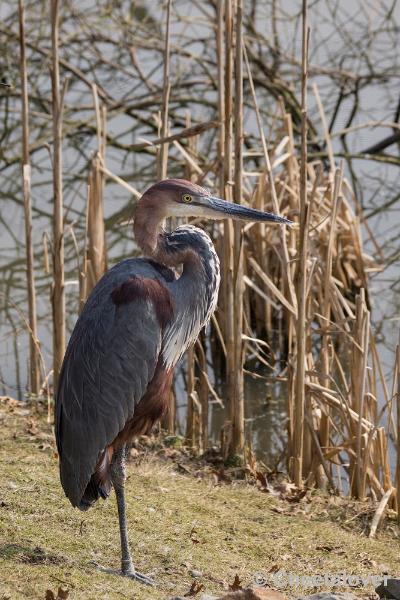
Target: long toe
[[129, 572], [132, 574]]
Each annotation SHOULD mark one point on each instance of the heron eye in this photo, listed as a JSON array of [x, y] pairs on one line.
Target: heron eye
[[187, 198]]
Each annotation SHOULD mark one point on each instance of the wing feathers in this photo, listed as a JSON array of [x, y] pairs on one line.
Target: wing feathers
[[110, 360]]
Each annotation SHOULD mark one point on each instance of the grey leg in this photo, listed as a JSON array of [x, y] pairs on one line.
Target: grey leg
[[118, 477]]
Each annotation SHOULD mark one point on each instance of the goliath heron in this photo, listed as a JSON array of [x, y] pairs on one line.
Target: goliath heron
[[136, 324]]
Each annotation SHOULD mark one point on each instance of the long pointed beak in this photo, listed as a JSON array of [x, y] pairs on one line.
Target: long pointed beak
[[223, 209]]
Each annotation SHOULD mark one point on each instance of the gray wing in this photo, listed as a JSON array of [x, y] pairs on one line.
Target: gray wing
[[110, 360]]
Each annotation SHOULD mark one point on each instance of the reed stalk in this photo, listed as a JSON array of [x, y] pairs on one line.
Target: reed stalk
[[228, 264], [34, 351], [203, 392], [190, 389], [171, 415], [237, 406], [221, 95], [358, 383], [163, 151], [297, 462], [191, 353], [58, 295], [96, 255]]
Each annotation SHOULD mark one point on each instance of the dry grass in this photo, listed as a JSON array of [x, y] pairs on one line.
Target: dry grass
[[45, 543]]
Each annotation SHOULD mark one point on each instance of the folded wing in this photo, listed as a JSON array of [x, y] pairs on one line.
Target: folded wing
[[110, 360]]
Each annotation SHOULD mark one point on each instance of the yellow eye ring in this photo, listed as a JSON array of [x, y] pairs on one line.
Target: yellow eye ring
[[187, 198]]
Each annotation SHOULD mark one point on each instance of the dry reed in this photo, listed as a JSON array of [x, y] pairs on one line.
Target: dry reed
[[237, 399], [34, 351], [58, 292], [299, 403], [95, 259], [163, 151]]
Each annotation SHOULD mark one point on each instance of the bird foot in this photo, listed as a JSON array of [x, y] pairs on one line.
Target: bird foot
[[132, 574], [128, 572]]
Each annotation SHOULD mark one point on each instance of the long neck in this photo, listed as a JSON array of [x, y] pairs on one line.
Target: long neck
[[147, 226], [191, 247], [188, 247], [171, 249], [196, 290]]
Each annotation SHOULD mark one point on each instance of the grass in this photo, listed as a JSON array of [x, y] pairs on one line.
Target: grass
[[178, 523]]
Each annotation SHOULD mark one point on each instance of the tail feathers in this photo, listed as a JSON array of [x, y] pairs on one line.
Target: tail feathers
[[100, 484]]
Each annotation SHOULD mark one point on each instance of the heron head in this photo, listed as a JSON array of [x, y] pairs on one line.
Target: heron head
[[181, 198]]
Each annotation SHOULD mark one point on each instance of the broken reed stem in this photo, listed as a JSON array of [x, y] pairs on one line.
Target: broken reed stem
[[237, 415], [58, 297], [163, 151], [379, 512], [297, 466], [96, 249], [34, 352]]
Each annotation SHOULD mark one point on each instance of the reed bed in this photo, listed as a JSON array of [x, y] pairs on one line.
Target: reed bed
[[294, 305]]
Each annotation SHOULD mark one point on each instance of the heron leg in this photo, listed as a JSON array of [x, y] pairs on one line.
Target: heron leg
[[118, 477]]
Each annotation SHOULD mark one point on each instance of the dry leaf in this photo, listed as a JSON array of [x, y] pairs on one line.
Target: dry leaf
[[236, 584], [195, 589], [295, 497], [274, 569]]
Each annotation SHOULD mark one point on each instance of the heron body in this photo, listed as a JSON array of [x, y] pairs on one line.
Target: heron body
[[136, 324], [118, 367]]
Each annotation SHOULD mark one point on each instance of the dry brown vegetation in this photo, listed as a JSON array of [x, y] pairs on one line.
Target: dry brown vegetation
[[295, 304]]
